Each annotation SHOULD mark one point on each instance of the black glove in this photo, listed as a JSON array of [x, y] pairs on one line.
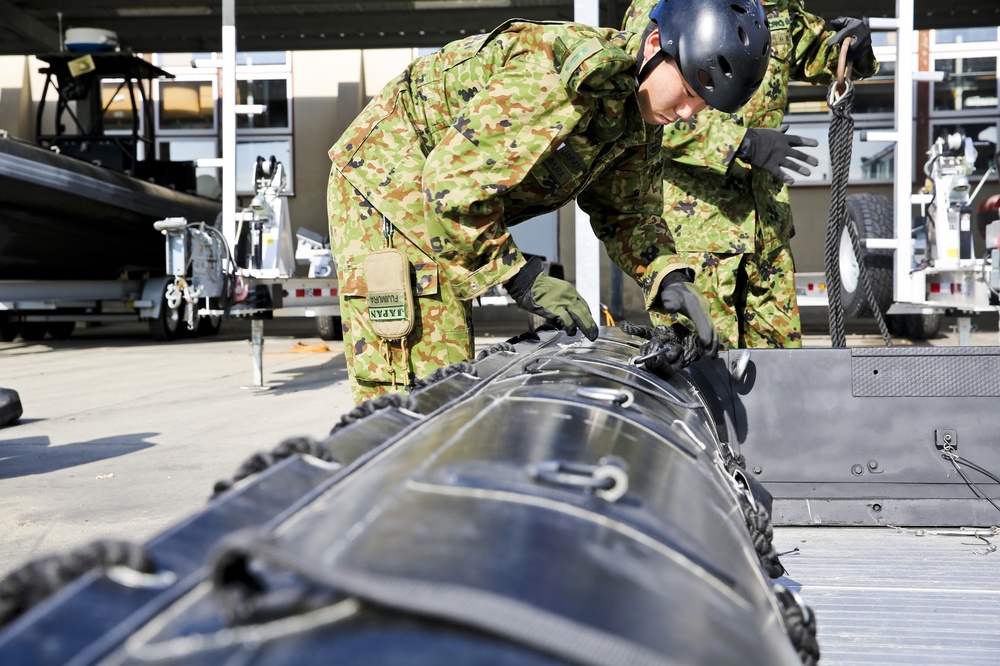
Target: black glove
[[551, 298], [852, 27], [678, 294], [774, 150]]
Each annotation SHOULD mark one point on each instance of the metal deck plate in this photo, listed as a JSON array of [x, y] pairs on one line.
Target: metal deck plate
[[887, 596]]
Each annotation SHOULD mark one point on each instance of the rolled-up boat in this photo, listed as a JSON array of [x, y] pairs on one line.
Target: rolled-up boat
[[550, 503]]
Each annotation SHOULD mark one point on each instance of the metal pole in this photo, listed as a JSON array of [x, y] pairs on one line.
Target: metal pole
[[588, 248], [902, 176], [228, 118], [257, 344]]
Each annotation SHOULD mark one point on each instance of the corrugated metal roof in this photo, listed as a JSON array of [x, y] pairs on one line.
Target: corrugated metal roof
[[888, 596]]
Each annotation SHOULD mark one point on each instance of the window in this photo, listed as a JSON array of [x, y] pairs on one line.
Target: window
[[186, 105], [870, 160], [872, 95], [965, 102], [247, 152], [116, 100], [983, 135], [209, 179], [965, 35], [273, 95], [259, 58], [174, 61], [970, 84], [186, 113]]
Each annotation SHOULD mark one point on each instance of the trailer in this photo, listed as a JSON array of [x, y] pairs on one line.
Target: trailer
[[87, 210], [206, 278]]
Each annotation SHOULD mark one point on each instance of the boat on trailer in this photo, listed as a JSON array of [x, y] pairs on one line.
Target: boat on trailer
[[80, 203]]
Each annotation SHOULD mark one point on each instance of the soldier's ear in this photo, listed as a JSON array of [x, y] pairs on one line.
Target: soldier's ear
[[651, 46]]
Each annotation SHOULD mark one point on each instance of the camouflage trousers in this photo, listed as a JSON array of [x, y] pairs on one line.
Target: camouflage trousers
[[442, 332], [752, 297]]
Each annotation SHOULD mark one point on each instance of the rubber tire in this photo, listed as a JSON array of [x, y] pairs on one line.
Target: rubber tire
[[33, 331], [208, 326], [922, 326], [9, 328], [871, 215], [61, 330], [329, 327], [169, 324]]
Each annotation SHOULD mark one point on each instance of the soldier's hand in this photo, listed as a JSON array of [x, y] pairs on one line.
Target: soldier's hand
[[775, 151], [678, 294], [555, 300], [852, 27]]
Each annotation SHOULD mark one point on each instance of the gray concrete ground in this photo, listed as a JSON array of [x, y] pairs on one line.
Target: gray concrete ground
[[122, 436]]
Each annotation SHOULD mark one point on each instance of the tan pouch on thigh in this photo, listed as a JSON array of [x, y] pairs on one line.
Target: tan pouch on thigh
[[390, 294]]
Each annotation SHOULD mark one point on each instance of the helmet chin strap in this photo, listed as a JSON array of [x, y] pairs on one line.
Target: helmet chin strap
[[650, 65]]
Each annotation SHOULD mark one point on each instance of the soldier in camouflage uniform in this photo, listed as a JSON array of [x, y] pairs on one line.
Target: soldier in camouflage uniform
[[496, 129], [724, 191]]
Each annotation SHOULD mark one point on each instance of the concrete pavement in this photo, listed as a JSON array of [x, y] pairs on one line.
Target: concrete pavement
[[121, 436]]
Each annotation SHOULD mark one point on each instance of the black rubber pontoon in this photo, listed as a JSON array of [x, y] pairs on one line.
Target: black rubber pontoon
[[551, 503], [64, 218]]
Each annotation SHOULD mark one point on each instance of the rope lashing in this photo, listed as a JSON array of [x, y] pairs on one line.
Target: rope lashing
[[840, 99]]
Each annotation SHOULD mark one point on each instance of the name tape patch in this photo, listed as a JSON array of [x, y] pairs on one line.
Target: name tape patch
[[387, 306]]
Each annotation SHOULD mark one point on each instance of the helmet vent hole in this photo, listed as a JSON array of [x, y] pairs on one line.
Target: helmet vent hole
[[766, 49], [726, 68], [743, 36], [706, 80], [740, 9]]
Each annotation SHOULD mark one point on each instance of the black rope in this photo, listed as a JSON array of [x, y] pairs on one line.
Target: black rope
[[462, 367], [667, 350], [260, 461], [369, 407], [30, 584], [841, 145], [800, 622], [758, 522], [506, 346]]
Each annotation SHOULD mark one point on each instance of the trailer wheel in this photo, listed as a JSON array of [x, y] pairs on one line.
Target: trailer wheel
[[61, 330], [208, 326], [871, 215], [33, 331], [329, 327], [168, 324], [922, 326], [9, 328]]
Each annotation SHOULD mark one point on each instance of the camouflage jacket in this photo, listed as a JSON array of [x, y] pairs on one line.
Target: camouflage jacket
[[713, 202], [495, 129]]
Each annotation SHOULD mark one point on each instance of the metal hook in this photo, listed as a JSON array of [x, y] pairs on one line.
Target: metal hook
[[841, 88]]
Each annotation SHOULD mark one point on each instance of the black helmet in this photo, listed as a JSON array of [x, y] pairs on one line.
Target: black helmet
[[721, 46]]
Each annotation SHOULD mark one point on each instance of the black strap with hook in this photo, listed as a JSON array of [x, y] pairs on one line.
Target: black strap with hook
[[840, 99]]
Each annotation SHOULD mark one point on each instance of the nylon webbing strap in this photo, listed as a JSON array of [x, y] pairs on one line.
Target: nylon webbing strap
[[466, 606], [841, 144]]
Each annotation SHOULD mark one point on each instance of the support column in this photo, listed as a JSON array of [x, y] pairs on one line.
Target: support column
[[588, 247]]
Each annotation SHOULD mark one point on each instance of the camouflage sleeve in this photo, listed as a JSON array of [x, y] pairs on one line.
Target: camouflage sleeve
[[709, 139], [813, 60], [624, 206]]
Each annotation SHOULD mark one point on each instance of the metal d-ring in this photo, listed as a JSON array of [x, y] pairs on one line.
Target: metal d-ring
[[607, 480], [621, 397]]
